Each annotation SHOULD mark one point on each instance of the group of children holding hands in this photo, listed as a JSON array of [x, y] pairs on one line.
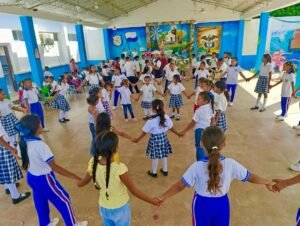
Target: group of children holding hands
[[210, 175]]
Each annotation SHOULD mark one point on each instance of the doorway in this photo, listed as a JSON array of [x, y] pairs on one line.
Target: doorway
[[7, 69]]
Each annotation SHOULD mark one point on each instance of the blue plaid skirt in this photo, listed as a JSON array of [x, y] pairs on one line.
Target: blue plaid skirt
[[10, 171], [61, 103], [262, 85], [158, 146], [92, 87], [222, 122], [146, 105], [9, 122], [107, 108], [175, 101]]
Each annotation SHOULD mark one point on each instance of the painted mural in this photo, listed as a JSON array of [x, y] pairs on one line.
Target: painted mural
[[130, 41], [209, 39], [171, 37], [285, 41]]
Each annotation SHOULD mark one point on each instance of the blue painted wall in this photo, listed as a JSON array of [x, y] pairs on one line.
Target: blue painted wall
[[139, 44], [3, 85], [248, 61], [229, 38]]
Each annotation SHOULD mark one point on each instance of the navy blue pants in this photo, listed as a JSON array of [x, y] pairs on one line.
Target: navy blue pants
[[116, 96], [37, 109], [231, 88], [46, 188], [200, 152], [128, 107], [211, 211], [285, 102], [93, 132]]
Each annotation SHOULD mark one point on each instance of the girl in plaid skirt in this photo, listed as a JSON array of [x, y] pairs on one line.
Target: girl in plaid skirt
[[8, 119], [263, 82], [10, 172], [159, 146], [221, 100], [147, 91], [175, 89], [106, 96]]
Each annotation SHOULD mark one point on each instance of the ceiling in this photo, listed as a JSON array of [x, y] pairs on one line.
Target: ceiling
[[101, 13]]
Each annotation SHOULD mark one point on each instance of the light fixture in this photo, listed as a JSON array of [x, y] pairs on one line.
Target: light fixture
[[114, 28]]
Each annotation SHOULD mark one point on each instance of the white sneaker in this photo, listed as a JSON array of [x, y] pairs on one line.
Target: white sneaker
[[82, 223], [114, 107], [296, 127], [54, 222], [45, 129], [230, 104], [295, 167], [280, 118]]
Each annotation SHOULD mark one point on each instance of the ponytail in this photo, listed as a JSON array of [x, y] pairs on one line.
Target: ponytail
[[108, 162], [24, 153], [95, 164], [209, 98]]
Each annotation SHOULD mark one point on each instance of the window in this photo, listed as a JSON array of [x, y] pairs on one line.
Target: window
[[55, 37], [18, 35], [72, 38]]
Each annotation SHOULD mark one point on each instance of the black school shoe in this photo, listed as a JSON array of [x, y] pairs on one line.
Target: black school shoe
[[165, 173], [21, 198], [62, 121], [66, 120], [152, 174], [7, 190], [254, 108]]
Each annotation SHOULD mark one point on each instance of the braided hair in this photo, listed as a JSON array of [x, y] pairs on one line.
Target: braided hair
[[105, 146]]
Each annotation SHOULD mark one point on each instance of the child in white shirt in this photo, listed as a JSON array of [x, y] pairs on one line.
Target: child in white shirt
[[146, 72], [221, 97], [170, 74], [106, 96], [201, 72], [125, 100], [116, 80]]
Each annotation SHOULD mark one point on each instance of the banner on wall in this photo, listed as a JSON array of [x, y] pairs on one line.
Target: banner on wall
[[209, 39], [285, 41], [171, 37]]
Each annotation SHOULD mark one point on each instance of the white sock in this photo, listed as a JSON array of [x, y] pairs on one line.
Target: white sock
[[145, 111], [154, 165], [65, 114], [61, 115], [13, 190], [13, 139], [165, 164], [257, 101], [265, 102], [149, 112]]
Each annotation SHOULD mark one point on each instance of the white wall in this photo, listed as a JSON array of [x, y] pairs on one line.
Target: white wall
[[94, 43], [164, 10], [250, 37]]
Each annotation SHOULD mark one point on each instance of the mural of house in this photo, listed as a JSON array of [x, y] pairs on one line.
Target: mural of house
[[170, 37]]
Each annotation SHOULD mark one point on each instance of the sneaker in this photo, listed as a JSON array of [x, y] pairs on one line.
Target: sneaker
[[54, 222], [66, 120], [295, 167], [296, 127], [280, 118], [82, 223], [165, 173], [7, 190], [61, 121], [134, 119], [45, 129], [230, 104], [152, 174], [254, 108], [262, 110], [114, 107], [21, 198], [126, 120], [177, 117]]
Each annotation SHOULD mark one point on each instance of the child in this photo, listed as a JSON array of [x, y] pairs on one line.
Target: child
[[194, 63], [158, 145], [52, 85], [31, 98], [263, 82], [213, 61], [125, 100], [93, 78], [116, 80], [106, 95], [211, 178], [8, 119], [201, 72], [147, 91], [233, 72], [112, 180], [288, 82], [137, 68], [47, 73], [10, 172], [227, 58], [203, 118], [220, 69], [221, 98], [146, 72], [20, 94], [169, 75], [175, 89], [129, 68], [60, 102], [198, 90], [39, 162]]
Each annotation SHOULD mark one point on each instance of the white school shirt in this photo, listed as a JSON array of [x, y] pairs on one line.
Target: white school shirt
[[171, 74], [129, 68], [100, 108], [224, 68], [137, 66], [5, 107], [40, 156], [176, 88], [198, 90], [227, 61], [233, 74], [203, 116], [3, 133], [198, 64], [142, 77], [54, 86], [194, 62], [152, 125], [48, 74], [117, 80], [220, 102], [197, 176], [167, 68], [125, 95], [105, 71], [122, 64], [63, 89], [286, 88], [143, 64], [31, 96], [105, 95], [93, 79], [213, 62], [202, 73], [148, 92], [264, 70]]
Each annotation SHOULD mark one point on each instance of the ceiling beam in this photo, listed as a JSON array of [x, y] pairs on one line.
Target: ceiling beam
[[216, 4], [110, 2]]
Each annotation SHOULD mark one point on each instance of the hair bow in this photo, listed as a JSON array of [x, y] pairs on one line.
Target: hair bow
[[23, 131], [214, 148]]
